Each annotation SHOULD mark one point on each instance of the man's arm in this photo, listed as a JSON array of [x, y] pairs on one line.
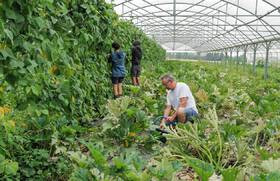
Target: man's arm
[[166, 113], [182, 104]]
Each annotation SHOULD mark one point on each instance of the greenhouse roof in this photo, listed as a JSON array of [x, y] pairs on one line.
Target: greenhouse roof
[[204, 25]]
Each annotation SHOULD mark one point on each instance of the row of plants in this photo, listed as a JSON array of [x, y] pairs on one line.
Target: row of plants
[[237, 133], [231, 140], [236, 137], [57, 121], [55, 81]]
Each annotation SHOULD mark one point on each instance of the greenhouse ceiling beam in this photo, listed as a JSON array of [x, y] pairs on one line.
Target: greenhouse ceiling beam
[[189, 42], [257, 18], [185, 38], [167, 16], [116, 5], [151, 25], [164, 42], [224, 12], [141, 14], [242, 25], [188, 38], [220, 42], [183, 43], [184, 32], [272, 5], [163, 10], [250, 44], [188, 8], [215, 25], [221, 29], [146, 11], [247, 24], [174, 23], [215, 9]]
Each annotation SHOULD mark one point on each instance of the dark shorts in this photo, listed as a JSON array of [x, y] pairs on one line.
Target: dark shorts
[[135, 70], [190, 114], [117, 80]]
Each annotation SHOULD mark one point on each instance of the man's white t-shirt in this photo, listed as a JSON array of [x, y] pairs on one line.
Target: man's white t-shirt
[[181, 90]]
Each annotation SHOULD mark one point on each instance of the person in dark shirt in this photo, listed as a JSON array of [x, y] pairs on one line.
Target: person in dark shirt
[[117, 58], [136, 53]]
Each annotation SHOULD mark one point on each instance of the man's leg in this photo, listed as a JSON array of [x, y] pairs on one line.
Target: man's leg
[[137, 75], [134, 80], [120, 92], [190, 114], [137, 81], [115, 89], [181, 115], [115, 86]]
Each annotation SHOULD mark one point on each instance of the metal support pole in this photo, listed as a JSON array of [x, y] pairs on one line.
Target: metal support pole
[[237, 58], [255, 48], [174, 23], [122, 8], [230, 56], [245, 57], [226, 57], [278, 59], [267, 47]]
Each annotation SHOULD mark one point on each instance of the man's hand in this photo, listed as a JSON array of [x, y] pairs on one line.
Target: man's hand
[[162, 124], [170, 119]]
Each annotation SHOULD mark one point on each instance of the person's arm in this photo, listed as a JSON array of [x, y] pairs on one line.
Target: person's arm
[[109, 57], [182, 104], [167, 111]]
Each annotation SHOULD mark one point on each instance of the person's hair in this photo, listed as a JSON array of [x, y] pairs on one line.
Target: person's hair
[[116, 46], [136, 43], [167, 77]]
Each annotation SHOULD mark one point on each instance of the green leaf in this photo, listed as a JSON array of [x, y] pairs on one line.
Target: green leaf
[[1, 27], [203, 169], [97, 156], [36, 89], [45, 111], [119, 164], [2, 158], [16, 64], [11, 168], [40, 22], [229, 174], [10, 14], [81, 174], [64, 100], [273, 176], [9, 34], [7, 53]]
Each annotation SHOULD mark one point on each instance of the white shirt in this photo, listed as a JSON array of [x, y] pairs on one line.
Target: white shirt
[[181, 90]]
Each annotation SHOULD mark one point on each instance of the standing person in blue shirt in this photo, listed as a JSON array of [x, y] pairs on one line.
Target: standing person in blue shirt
[[180, 99], [117, 59], [136, 56]]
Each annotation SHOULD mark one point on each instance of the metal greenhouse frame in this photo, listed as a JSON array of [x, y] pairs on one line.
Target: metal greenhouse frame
[[230, 27]]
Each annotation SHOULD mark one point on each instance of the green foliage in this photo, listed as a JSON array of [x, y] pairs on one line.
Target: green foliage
[[272, 176], [55, 80], [237, 127], [203, 169], [8, 167], [229, 174]]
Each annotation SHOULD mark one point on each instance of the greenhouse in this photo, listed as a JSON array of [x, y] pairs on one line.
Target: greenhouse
[[140, 90]]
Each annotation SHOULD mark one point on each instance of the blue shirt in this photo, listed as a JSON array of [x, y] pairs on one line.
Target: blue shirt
[[118, 68]]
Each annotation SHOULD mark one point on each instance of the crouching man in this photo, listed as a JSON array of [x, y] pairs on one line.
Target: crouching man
[[180, 100]]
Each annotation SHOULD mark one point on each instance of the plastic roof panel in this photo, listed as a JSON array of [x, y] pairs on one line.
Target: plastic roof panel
[[204, 25]]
